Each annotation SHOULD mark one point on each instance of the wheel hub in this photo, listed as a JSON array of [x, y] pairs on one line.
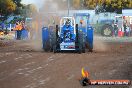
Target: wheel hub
[[107, 31]]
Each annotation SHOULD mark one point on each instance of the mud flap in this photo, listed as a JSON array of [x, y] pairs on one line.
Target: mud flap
[[45, 39]]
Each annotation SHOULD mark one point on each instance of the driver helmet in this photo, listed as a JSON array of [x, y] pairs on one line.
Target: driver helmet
[[68, 22]]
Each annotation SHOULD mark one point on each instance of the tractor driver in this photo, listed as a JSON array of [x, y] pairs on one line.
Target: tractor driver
[[68, 22], [66, 30]]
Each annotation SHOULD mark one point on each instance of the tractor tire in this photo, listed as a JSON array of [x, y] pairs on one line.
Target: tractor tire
[[46, 49], [83, 49], [90, 50], [57, 36], [55, 40], [54, 49], [77, 44], [80, 49], [82, 41], [76, 41], [52, 40], [107, 30]]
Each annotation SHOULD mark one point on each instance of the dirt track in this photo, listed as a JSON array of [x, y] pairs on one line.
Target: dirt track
[[23, 67]]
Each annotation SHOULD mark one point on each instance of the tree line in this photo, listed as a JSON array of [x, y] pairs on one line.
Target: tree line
[[8, 7], [104, 5], [15, 7]]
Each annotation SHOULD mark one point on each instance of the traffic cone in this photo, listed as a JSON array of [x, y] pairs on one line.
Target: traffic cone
[[120, 33]]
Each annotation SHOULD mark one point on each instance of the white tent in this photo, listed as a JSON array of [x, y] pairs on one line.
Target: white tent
[[127, 12]]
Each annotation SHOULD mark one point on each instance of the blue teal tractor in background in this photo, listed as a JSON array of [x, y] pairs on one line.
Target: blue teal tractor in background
[[73, 34]]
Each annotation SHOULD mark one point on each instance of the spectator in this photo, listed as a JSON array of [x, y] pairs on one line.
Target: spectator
[[2, 25], [130, 29], [124, 25], [115, 29], [127, 31]]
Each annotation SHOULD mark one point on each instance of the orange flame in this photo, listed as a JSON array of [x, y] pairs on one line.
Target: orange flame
[[85, 74]]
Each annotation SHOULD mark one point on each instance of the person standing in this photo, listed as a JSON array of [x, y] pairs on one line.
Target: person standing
[[130, 29], [124, 25], [2, 25], [127, 31], [115, 29]]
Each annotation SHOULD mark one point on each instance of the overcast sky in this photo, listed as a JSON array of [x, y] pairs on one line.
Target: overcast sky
[[38, 3]]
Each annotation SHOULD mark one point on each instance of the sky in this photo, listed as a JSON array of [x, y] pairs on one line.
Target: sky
[[38, 3]]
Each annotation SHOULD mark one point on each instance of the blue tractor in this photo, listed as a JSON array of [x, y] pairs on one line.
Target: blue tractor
[[69, 35]]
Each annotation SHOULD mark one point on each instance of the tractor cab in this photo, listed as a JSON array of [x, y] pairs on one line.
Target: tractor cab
[[67, 33], [82, 19]]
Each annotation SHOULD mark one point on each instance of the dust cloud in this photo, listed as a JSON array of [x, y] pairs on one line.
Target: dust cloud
[[99, 44], [48, 15]]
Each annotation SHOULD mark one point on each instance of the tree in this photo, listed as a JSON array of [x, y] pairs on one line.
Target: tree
[[130, 5], [90, 4], [7, 7], [18, 3], [19, 7], [108, 5], [113, 6], [125, 3], [76, 4], [29, 10]]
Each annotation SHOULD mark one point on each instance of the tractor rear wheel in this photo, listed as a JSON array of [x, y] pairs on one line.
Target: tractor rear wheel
[[77, 45], [52, 40], [54, 49], [80, 49], [90, 50], [82, 41], [83, 48], [46, 48], [56, 42], [107, 30]]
